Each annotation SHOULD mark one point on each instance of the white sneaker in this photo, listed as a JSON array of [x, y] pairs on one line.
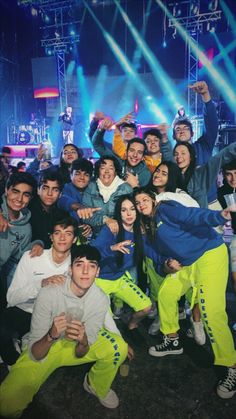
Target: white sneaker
[[153, 312], [111, 400], [154, 327], [198, 332], [182, 314]]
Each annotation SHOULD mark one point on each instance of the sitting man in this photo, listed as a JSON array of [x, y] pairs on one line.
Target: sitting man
[[30, 276], [59, 341]]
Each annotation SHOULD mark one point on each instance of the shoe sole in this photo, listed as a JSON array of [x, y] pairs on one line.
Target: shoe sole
[[161, 354], [225, 395], [91, 391]]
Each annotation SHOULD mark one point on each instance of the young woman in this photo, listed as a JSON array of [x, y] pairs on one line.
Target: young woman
[[187, 235], [68, 154], [122, 255]]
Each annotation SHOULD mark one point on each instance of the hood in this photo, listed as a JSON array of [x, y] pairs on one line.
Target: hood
[[26, 214]]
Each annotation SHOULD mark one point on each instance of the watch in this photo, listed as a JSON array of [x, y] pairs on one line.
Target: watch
[[52, 337]]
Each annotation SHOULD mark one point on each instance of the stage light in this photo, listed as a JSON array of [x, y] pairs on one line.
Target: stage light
[[71, 31], [34, 11], [57, 33], [194, 7], [45, 18], [164, 44], [177, 10], [213, 5], [49, 51]]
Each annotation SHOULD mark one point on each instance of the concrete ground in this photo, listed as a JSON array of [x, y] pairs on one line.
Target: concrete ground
[[173, 387]]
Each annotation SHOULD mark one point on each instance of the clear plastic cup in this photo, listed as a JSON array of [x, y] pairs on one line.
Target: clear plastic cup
[[230, 200]]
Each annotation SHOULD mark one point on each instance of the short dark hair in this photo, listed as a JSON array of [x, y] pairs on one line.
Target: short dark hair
[[152, 131], [6, 149], [82, 164], [48, 174], [65, 222], [229, 166], [139, 141], [85, 250], [131, 125], [185, 121], [102, 161], [21, 177], [20, 164]]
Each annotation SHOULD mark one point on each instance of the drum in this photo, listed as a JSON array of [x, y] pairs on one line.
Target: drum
[[23, 137]]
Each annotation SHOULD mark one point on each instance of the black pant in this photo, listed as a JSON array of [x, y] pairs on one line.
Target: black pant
[[14, 323]]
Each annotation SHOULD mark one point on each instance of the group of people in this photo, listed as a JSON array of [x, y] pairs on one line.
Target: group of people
[[78, 239]]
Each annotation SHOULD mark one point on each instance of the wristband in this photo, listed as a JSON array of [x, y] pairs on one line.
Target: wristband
[[52, 337]]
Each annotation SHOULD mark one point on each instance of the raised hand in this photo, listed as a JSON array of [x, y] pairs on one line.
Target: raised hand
[[37, 250], [129, 117], [122, 247]]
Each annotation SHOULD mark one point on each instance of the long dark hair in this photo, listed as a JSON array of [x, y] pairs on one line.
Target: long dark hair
[[138, 249], [190, 170], [174, 177], [148, 223]]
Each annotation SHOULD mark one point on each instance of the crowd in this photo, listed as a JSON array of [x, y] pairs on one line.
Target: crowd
[[142, 227]]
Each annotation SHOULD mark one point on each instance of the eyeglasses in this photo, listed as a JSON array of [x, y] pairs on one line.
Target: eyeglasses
[[185, 129]]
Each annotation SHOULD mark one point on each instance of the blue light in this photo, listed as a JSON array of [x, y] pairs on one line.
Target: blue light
[[164, 44]]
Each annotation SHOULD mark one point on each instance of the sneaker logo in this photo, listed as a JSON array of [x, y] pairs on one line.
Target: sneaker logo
[[175, 342]]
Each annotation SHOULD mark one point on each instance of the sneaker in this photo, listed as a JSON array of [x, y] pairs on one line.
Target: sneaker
[[227, 387], [153, 312], [169, 346], [111, 400], [198, 332], [117, 312], [154, 327], [182, 313]]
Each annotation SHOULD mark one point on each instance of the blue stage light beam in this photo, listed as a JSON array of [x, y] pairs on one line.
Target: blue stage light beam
[[84, 98], [227, 61], [100, 88], [229, 16], [127, 66], [224, 88], [161, 77]]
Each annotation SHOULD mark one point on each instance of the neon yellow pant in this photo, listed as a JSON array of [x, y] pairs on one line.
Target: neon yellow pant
[[210, 274], [126, 290], [26, 376]]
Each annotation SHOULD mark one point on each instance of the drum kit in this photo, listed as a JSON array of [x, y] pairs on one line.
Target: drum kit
[[31, 133]]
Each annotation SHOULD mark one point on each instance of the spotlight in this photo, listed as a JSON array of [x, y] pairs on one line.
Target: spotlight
[[72, 32], [194, 7], [57, 34], [164, 44], [49, 51], [177, 10], [33, 11], [213, 5], [45, 18]]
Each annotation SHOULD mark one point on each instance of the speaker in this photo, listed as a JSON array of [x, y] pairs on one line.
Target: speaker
[[227, 135]]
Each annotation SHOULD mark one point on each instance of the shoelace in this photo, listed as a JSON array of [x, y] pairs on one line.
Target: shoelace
[[230, 380], [164, 344]]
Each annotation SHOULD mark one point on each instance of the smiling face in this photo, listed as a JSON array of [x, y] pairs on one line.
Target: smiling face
[[107, 172], [83, 273], [18, 197], [128, 213], [135, 154], [182, 132], [62, 238], [153, 144], [49, 193], [230, 176], [182, 157], [160, 177], [127, 133], [144, 204], [69, 154], [80, 179]]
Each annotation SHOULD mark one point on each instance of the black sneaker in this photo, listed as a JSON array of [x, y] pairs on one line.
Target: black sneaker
[[169, 346], [227, 387]]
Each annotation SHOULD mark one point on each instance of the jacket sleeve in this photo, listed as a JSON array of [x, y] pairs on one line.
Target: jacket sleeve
[[23, 287], [189, 217], [118, 145], [104, 241], [97, 218], [99, 145], [208, 139], [93, 127], [33, 167], [167, 151]]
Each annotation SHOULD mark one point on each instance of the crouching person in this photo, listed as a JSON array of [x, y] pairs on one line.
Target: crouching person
[[58, 338]]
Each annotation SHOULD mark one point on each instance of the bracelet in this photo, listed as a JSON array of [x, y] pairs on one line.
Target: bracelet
[[52, 337]]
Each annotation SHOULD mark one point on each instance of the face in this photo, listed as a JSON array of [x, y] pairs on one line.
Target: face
[[128, 213], [182, 132], [80, 178], [18, 196], [144, 204], [49, 192], [83, 273], [107, 172], [153, 144], [160, 176], [69, 154], [182, 157], [127, 133], [69, 110], [62, 238], [135, 154], [230, 176]]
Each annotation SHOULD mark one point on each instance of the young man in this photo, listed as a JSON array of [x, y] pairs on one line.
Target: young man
[[43, 208], [30, 276], [134, 168], [59, 341], [229, 187], [15, 229], [67, 125]]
